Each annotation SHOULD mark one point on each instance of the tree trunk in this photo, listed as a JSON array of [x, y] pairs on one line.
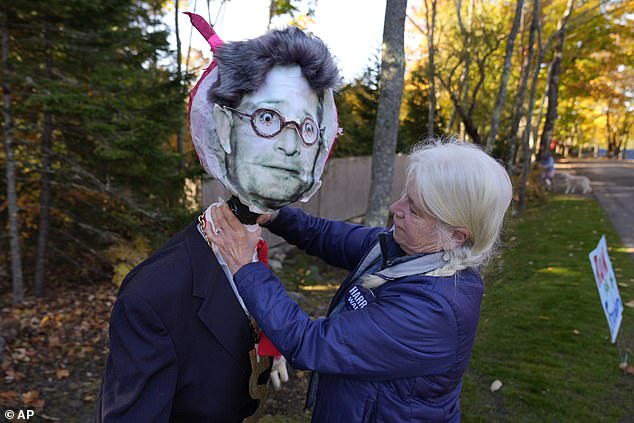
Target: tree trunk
[[466, 76], [535, 28], [608, 128], [622, 134], [465, 116], [519, 103], [45, 203], [541, 111], [14, 233], [611, 127], [179, 74], [495, 119], [431, 25], [452, 119], [464, 100], [45, 182], [387, 118], [272, 8], [553, 81]]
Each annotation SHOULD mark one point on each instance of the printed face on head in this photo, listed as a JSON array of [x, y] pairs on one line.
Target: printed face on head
[[275, 170]]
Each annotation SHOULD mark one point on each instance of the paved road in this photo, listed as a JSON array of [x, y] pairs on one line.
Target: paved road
[[613, 186]]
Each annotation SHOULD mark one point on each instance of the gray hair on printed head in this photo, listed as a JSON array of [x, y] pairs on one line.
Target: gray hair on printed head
[[243, 65]]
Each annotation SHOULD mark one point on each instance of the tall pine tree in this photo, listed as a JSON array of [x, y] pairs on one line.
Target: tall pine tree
[[96, 115]]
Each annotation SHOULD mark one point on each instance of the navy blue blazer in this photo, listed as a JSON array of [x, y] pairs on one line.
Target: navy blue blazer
[[179, 341]]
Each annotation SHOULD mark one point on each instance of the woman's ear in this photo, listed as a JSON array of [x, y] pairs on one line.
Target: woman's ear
[[459, 236], [224, 123]]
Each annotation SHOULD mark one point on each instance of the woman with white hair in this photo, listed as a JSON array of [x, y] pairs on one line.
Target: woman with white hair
[[400, 330]]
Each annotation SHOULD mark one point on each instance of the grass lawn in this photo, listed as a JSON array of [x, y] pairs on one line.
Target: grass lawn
[[542, 330]]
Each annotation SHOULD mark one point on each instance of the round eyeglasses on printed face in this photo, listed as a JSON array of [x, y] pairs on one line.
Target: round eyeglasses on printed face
[[267, 123]]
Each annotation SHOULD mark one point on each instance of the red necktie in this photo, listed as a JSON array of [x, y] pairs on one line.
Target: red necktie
[[266, 347]]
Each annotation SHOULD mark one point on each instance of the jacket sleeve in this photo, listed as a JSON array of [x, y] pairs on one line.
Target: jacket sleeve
[[399, 335], [338, 243], [141, 371]]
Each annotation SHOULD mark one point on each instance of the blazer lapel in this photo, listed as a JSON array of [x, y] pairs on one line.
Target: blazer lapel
[[220, 311]]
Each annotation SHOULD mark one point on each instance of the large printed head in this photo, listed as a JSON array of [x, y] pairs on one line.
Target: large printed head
[[264, 120]]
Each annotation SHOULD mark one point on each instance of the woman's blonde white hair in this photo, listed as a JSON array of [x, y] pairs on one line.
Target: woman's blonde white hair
[[461, 186]]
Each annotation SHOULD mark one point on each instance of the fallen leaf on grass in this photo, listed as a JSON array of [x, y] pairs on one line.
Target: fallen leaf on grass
[[630, 304], [11, 375], [576, 332], [32, 398], [44, 321], [54, 341], [20, 355], [496, 385], [8, 397], [62, 373]]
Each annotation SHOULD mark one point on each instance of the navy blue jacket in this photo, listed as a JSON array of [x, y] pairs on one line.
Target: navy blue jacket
[[399, 359], [179, 341]]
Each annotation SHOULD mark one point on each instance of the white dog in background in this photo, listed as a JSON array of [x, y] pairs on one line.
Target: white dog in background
[[575, 184]]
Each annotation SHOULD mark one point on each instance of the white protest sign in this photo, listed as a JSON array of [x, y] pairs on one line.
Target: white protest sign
[[608, 289]]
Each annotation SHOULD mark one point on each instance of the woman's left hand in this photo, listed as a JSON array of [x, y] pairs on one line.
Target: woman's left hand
[[236, 244]]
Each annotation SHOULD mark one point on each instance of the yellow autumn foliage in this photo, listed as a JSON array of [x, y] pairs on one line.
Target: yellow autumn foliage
[[125, 255]]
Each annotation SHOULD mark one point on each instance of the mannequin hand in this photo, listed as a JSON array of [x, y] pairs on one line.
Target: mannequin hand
[[279, 373]]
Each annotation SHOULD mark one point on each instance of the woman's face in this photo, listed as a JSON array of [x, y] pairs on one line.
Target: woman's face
[[414, 230]]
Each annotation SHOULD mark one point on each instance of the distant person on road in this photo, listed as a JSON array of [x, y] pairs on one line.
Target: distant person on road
[[548, 170], [400, 329]]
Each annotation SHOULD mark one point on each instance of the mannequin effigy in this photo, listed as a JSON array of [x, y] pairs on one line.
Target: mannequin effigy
[[254, 124], [182, 345]]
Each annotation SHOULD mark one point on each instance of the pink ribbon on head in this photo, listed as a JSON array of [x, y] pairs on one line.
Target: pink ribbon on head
[[205, 29], [214, 41]]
